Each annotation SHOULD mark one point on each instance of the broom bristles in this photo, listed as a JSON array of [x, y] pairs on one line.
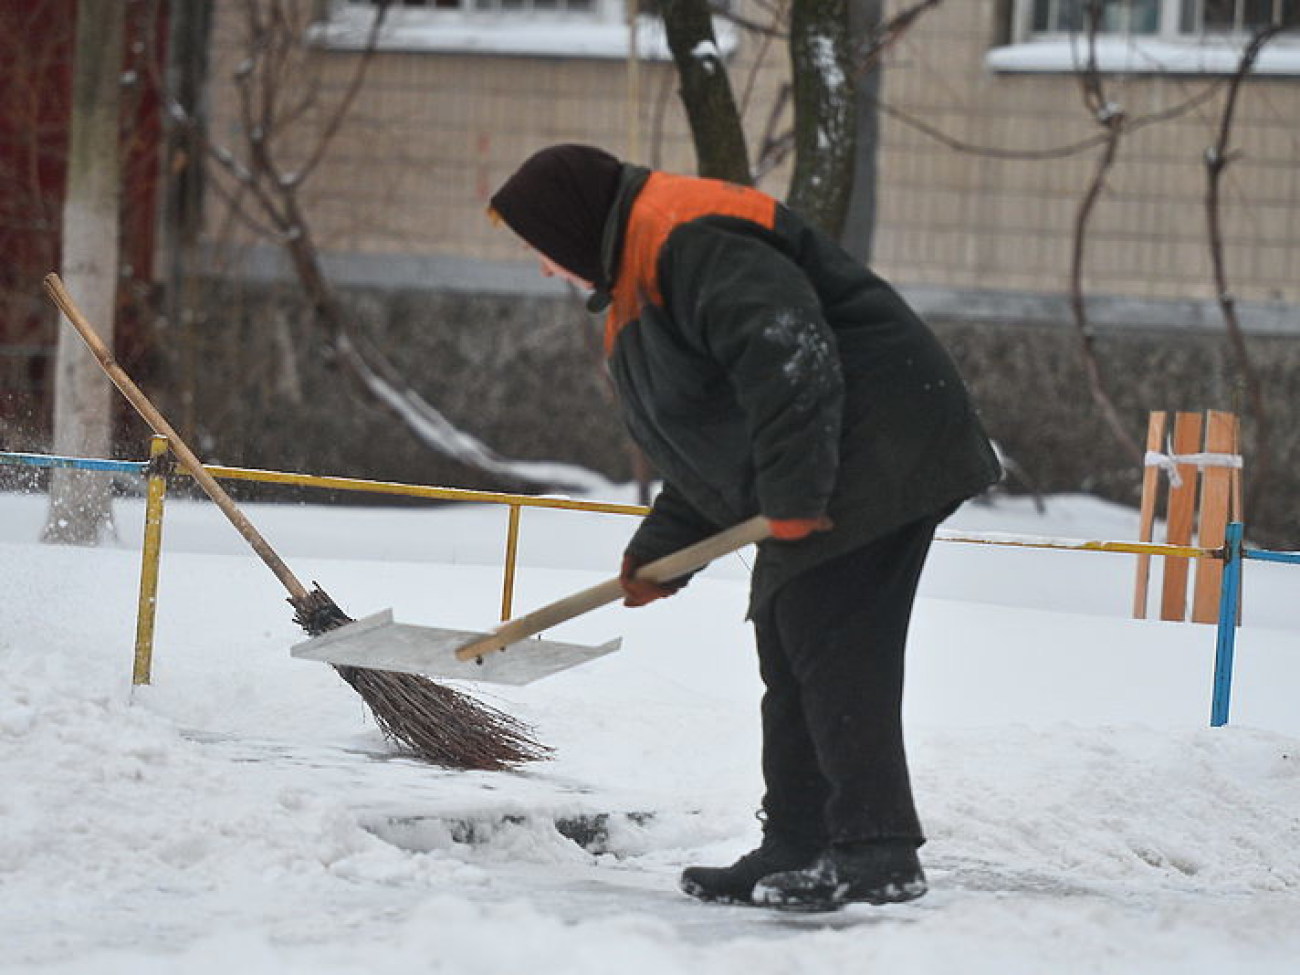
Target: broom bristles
[[435, 723], [442, 725]]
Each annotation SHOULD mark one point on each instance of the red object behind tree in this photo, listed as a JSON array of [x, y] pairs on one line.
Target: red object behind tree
[[36, 51]]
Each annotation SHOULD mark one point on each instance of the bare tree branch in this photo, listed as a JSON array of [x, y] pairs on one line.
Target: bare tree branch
[[874, 46], [1052, 152], [769, 30], [345, 104], [235, 208], [264, 82], [774, 146], [1112, 119], [780, 13], [1217, 158]]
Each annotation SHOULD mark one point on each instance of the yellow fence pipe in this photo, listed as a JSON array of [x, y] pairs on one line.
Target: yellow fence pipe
[[512, 555], [157, 489], [516, 502], [1079, 545], [421, 490], [146, 611], [543, 501]]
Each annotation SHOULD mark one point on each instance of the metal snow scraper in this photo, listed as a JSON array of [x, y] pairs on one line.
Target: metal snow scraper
[[378, 643]]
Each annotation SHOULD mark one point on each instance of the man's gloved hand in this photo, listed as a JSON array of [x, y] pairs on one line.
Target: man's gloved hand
[[797, 529], [638, 592]]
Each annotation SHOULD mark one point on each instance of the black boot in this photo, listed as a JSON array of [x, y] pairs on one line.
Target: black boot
[[735, 884], [875, 873]]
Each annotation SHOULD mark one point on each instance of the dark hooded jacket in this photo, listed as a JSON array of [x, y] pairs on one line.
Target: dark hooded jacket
[[765, 371]]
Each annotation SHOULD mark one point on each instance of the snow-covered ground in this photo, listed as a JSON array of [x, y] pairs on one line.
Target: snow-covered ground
[[233, 816]]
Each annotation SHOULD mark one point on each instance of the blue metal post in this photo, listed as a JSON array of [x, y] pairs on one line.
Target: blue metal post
[[75, 463], [1264, 555], [1225, 645]]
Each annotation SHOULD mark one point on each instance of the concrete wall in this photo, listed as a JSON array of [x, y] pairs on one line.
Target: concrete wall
[[522, 372], [1031, 388]]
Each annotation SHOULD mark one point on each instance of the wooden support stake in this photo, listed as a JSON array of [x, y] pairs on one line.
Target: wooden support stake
[[1216, 499], [1147, 514], [1180, 513]]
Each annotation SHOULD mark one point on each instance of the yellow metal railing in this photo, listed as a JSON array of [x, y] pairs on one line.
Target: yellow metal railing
[[420, 490], [155, 473], [147, 610], [1078, 545], [157, 488], [516, 503]]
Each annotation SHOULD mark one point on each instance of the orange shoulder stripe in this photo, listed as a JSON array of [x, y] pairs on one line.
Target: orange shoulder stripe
[[665, 202]]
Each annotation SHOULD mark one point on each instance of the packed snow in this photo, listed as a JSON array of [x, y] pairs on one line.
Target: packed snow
[[242, 813]]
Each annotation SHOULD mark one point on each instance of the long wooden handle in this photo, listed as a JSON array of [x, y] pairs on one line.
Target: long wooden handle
[[59, 295], [669, 567]]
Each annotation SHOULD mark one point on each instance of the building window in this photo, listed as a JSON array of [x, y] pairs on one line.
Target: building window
[[1238, 16], [533, 28], [506, 6], [1149, 36], [1117, 16], [1181, 19]]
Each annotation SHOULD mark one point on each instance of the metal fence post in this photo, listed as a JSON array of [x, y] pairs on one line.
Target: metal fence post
[[1225, 644], [147, 608], [512, 555]]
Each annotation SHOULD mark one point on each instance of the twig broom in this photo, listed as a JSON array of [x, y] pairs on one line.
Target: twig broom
[[433, 722]]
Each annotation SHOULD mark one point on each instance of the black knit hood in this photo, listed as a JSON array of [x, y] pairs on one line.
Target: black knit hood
[[558, 201]]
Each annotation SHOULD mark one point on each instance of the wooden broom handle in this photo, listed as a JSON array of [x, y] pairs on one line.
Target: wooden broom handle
[[669, 567], [59, 295]]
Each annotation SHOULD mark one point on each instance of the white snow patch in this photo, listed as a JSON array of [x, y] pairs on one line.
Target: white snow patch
[[826, 64], [707, 53], [229, 817]]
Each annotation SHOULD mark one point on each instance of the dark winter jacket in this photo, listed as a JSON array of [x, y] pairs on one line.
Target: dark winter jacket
[[764, 371]]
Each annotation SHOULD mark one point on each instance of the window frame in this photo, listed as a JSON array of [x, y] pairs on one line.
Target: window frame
[[477, 7], [1167, 50], [601, 33]]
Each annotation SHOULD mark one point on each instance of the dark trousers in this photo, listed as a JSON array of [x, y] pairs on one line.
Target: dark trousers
[[830, 648]]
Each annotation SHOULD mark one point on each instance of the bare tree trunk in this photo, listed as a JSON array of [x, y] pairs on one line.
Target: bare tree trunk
[[824, 112], [188, 43], [80, 510], [860, 217], [870, 37], [706, 92]]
